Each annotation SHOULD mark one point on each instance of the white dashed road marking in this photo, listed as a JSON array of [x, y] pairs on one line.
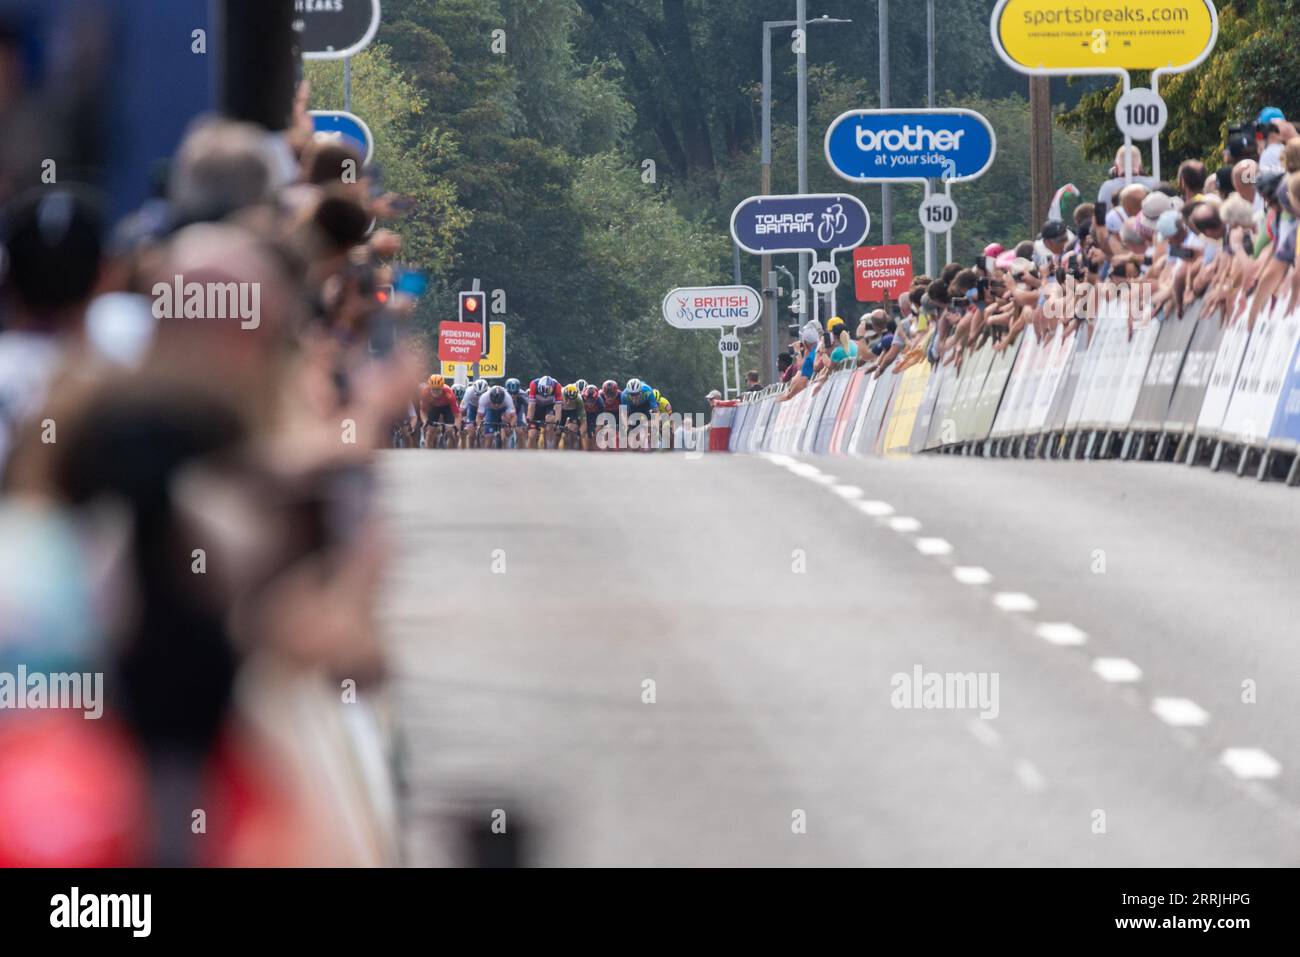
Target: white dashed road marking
[[933, 546], [1029, 775], [848, 492], [1061, 633], [1250, 763], [972, 575], [904, 524], [1117, 670], [875, 509], [1015, 601], [1180, 712], [984, 733]]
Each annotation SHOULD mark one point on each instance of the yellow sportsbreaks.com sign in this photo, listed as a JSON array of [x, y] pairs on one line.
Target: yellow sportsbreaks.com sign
[[1070, 35]]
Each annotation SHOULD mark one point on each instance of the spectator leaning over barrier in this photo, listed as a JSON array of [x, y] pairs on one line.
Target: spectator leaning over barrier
[[752, 383], [845, 348], [1269, 138], [1244, 177], [1191, 179], [1128, 206], [1106, 196], [785, 367], [808, 341]]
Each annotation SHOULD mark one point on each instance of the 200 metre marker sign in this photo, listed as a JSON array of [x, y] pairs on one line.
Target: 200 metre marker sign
[[335, 29]]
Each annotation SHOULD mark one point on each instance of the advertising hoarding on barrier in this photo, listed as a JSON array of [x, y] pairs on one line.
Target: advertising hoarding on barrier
[[1227, 364], [910, 146], [975, 372], [924, 415], [911, 392], [1194, 377], [941, 427], [1255, 397], [873, 415], [880, 271], [998, 371], [1128, 382], [1285, 430], [1089, 36], [1162, 371], [712, 307], [1058, 361], [335, 29], [816, 222]]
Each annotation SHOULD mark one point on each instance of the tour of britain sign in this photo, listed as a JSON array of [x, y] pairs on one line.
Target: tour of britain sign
[[814, 222]]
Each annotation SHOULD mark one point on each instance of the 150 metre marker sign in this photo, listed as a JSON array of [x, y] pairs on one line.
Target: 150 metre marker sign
[[713, 307], [813, 222]]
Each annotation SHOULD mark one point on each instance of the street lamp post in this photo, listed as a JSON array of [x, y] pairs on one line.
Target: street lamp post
[[769, 316]]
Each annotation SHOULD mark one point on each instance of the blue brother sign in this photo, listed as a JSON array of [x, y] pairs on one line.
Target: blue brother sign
[[795, 224], [884, 146]]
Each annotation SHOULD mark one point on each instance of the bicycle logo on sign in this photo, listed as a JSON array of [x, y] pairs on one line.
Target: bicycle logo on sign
[[833, 223]]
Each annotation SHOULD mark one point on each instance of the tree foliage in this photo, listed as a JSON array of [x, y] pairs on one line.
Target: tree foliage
[[583, 156], [1254, 64]]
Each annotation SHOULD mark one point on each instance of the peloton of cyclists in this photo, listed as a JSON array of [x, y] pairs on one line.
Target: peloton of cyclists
[[467, 414]]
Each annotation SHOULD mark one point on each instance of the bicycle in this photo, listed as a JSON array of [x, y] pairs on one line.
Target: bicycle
[[570, 437]]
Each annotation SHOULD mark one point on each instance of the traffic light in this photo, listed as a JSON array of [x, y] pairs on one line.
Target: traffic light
[[473, 308]]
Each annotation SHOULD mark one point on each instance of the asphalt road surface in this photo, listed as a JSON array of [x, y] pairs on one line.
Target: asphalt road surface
[[1140, 621]]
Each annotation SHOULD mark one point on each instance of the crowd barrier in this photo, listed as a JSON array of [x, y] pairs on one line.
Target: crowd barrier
[[1186, 388]]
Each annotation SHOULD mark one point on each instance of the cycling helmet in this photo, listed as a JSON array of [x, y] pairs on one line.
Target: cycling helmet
[[497, 396], [610, 387], [545, 384], [436, 381], [633, 385], [571, 391], [459, 390], [512, 386], [479, 386], [582, 385], [591, 393]]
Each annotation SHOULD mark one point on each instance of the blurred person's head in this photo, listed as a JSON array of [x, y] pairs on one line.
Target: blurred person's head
[[1025, 249], [1221, 182], [1244, 176], [221, 166], [1205, 220], [1237, 211], [1084, 214], [53, 250], [1132, 237], [1150, 209], [1056, 236], [949, 273], [336, 167], [246, 307], [1191, 178], [1131, 197], [1291, 155], [1129, 153], [1171, 227]]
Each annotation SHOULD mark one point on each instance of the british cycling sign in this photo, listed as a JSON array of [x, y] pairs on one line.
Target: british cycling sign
[[815, 222], [884, 146], [713, 307]]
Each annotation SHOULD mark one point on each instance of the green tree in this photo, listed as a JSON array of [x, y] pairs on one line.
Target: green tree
[[1253, 65]]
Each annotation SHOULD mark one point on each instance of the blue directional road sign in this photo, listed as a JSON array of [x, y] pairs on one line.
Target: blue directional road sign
[[813, 222], [345, 126], [890, 146]]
